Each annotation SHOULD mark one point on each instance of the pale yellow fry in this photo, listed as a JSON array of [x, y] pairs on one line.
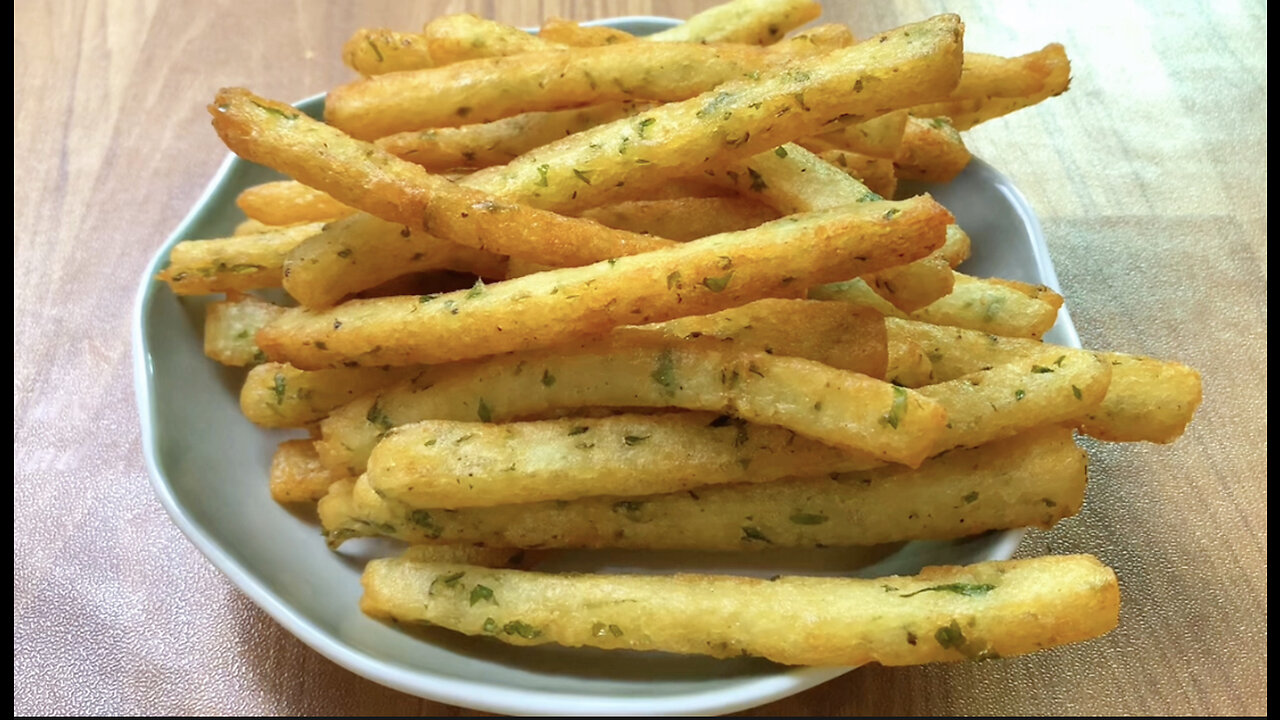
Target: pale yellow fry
[[1000, 307], [284, 202], [238, 263], [1148, 400], [1034, 479], [569, 32], [780, 258], [449, 464], [374, 51], [843, 408], [944, 614], [738, 119], [966, 113], [296, 473], [278, 395], [464, 36], [230, 326], [932, 151], [878, 174], [879, 137], [742, 21], [361, 252]]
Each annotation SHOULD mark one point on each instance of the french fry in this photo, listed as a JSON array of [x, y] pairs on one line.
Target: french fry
[[497, 143], [253, 227], [360, 252], [568, 32], [992, 76], [1148, 400], [944, 614], [1034, 479], [907, 365], [842, 408], [878, 174], [296, 473], [932, 151], [722, 271], [738, 119], [967, 112], [463, 36], [824, 38], [878, 137], [229, 328], [449, 464], [375, 51], [1001, 307], [761, 22], [237, 264], [381, 184], [278, 395], [683, 219], [289, 203]]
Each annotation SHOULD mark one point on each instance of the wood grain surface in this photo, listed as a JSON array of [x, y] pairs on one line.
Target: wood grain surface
[[1150, 177]]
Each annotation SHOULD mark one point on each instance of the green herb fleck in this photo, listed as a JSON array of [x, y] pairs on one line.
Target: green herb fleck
[[490, 626], [452, 580], [548, 379], [751, 532], [630, 509], [484, 412], [374, 47], [481, 592], [476, 290], [423, 519], [1058, 362], [804, 518], [718, 284], [515, 627], [888, 214], [1040, 369], [971, 497], [1019, 394], [897, 410], [579, 430], [644, 124], [673, 280], [581, 176], [965, 589], [279, 388], [950, 636], [1076, 391], [757, 181], [377, 417], [633, 440], [665, 372], [542, 175], [780, 151]]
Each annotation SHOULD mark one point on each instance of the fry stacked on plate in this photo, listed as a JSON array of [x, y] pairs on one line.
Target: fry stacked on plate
[[588, 290]]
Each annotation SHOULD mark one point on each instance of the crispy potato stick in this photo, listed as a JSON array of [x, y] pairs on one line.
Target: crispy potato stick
[[830, 333], [988, 76], [877, 174], [363, 251], [381, 184], [824, 38], [568, 32], [1034, 479], [1001, 307], [843, 408], [966, 113], [793, 179], [430, 464], [278, 395], [931, 151], [463, 36], [1148, 399], [549, 308], [738, 119], [498, 142], [908, 365], [375, 51], [296, 473], [684, 219], [238, 263], [1058, 385], [742, 21], [957, 247], [229, 328], [253, 227], [944, 614], [288, 203], [878, 137], [499, 87]]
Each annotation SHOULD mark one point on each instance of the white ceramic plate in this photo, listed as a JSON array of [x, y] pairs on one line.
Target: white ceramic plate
[[208, 466]]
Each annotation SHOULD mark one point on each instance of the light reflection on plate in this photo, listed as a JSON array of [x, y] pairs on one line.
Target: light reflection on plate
[[208, 466]]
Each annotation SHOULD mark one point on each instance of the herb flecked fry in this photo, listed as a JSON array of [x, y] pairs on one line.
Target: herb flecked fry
[[943, 614], [238, 263]]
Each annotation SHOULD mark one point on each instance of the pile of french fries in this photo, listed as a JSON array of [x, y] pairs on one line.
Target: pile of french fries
[[582, 289]]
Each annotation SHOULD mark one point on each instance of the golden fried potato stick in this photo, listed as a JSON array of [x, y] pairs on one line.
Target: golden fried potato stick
[[230, 326], [968, 112], [878, 137], [878, 174], [496, 143], [932, 150], [944, 614], [362, 251], [684, 219], [497, 87], [569, 32], [283, 202], [1001, 307], [738, 119], [238, 263], [278, 395], [993, 76], [375, 51], [1034, 479], [822, 402], [296, 473], [381, 184], [1148, 399], [823, 38], [777, 259], [450, 464], [464, 36], [760, 22]]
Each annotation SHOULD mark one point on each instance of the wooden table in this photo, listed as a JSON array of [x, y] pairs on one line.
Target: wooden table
[[1149, 176]]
